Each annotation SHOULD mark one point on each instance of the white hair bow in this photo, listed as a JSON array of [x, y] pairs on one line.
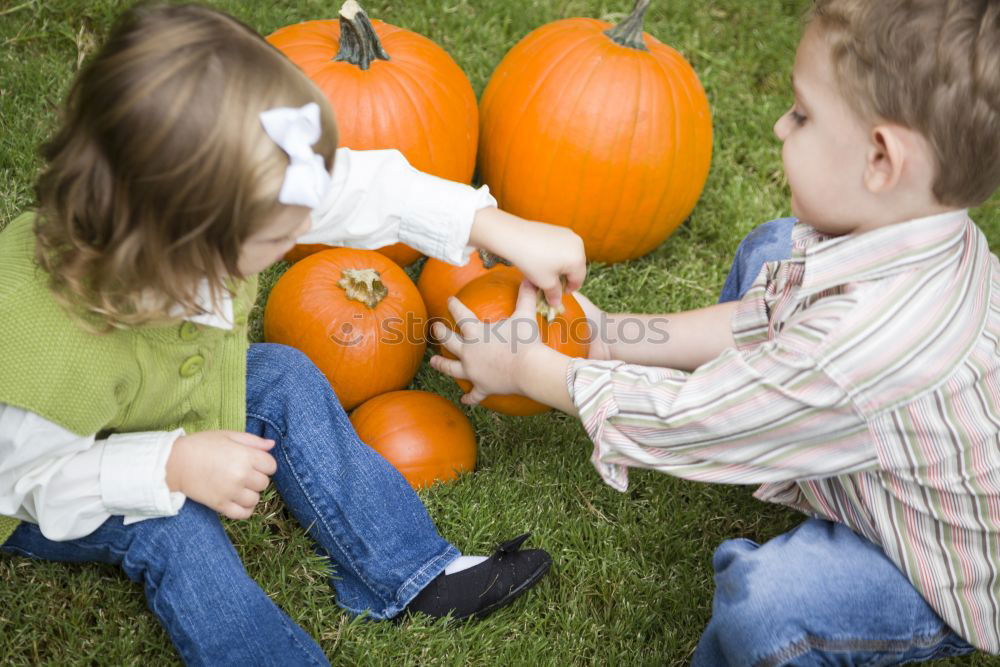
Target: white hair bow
[[295, 130]]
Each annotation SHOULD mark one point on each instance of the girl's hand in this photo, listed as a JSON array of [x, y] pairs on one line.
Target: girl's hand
[[224, 470], [488, 354], [546, 254], [600, 344]]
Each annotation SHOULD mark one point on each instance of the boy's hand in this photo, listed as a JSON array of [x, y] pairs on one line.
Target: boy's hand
[[224, 470], [544, 253], [487, 354]]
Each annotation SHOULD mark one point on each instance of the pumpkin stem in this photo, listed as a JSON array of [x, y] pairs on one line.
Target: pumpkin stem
[[359, 45], [364, 285], [490, 260], [629, 32], [543, 308]]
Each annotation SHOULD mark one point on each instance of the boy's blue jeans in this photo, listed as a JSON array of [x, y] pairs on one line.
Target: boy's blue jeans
[[819, 594], [358, 509]]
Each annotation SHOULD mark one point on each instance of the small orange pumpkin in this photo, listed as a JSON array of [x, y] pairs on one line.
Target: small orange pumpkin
[[356, 314], [423, 435], [492, 298], [440, 280], [604, 130]]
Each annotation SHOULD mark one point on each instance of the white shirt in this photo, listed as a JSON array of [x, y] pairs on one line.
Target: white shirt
[[70, 484]]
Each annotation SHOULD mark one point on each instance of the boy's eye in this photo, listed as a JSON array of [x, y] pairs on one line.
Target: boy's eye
[[797, 117]]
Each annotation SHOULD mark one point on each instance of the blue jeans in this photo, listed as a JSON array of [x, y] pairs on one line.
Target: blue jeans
[[359, 510], [819, 594]]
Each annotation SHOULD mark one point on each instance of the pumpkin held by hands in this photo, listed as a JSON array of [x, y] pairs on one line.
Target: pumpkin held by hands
[[604, 130], [423, 435], [440, 280], [356, 315], [492, 297]]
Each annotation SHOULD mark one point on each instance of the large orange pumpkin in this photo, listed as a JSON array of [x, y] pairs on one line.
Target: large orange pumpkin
[[604, 130], [356, 314], [440, 280], [389, 88], [423, 435], [492, 298]]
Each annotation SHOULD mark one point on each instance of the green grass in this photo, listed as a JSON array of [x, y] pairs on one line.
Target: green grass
[[632, 580]]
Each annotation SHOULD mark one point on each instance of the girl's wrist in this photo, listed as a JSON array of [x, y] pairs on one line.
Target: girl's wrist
[[490, 228], [173, 475]]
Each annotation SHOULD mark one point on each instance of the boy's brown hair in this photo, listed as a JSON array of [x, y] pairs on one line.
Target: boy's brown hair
[[161, 168], [932, 66]]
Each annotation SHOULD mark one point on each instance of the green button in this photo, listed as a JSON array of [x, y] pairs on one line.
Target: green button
[[189, 331], [240, 321], [192, 365]]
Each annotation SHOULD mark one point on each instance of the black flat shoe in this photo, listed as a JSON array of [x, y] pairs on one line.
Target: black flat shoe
[[480, 590]]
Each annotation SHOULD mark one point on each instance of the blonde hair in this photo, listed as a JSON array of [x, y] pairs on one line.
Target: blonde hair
[[932, 66], [161, 168]]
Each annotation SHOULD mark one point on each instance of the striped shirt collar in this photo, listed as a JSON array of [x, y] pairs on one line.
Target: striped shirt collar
[[836, 260]]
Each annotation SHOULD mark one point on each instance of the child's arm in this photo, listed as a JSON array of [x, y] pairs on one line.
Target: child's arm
[[70, 484], [773, 413], [377, 198], [683, 340], [543, 252]]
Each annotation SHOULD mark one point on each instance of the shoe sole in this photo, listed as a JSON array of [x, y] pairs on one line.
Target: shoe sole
[[510, 597]]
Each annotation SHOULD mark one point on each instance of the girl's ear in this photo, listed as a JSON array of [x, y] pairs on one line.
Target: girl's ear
[[886, 158]]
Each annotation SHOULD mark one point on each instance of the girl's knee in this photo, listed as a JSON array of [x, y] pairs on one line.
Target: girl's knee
[[275, 367]]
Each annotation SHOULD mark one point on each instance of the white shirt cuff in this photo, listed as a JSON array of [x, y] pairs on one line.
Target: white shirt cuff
[[437, 218], [133, 475]]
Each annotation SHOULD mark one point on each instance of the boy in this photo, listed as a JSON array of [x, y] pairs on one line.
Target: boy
[[858, 379]]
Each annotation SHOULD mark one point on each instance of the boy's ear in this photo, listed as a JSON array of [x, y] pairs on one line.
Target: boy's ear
[[886, 158]]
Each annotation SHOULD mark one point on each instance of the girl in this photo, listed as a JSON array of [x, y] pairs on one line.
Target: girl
[[193, 155]]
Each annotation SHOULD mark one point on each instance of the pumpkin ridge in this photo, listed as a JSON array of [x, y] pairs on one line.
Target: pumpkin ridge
[[588, 153], [448, 124], [661, 209], [622, 190], [550, 118], [694, 92], [434, 81], [530, 48], [417, 112], [684, 207], [528, 100], [667, 195]]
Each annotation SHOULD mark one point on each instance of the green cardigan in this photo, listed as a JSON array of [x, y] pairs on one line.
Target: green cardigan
[[141, 379]]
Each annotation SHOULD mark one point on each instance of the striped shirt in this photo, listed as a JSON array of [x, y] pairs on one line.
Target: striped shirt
[[864, 389]]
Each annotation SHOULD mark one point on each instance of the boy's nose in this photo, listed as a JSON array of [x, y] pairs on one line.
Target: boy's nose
[[781, 127]]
